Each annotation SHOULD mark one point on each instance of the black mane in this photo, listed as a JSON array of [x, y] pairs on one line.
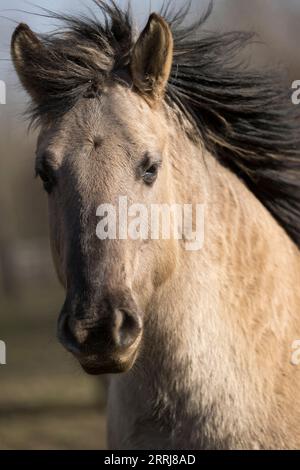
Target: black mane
[[245, 118]]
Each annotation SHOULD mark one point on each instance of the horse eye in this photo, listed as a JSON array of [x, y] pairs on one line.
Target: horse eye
[[47, 178], [150, 174]]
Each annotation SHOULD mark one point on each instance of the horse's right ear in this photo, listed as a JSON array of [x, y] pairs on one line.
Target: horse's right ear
[[26, 49], [152, 58]]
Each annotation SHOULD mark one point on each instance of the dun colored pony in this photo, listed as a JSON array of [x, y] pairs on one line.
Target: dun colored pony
[[204, 339]]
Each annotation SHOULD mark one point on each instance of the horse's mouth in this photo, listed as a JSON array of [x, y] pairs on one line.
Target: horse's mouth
[[99, 350], [99, 369], [120, 363]]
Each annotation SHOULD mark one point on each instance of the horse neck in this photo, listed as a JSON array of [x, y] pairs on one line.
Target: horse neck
[[211, 325], [246, 266], [223, 300]]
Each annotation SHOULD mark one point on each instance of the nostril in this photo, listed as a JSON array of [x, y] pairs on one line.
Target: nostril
[[127, 327], [66, 336]]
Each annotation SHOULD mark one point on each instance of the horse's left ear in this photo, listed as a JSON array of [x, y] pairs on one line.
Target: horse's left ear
[[26, 52], [152, 58]]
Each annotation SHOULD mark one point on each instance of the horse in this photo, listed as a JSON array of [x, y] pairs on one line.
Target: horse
[[197, 345]]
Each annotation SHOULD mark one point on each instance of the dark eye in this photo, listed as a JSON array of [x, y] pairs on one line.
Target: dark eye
[[150, 175], [45, 173]]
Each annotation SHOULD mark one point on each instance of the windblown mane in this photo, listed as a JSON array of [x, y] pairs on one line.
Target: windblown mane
[[245, 118]]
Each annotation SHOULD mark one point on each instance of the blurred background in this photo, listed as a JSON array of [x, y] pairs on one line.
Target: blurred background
[[46, 401]]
